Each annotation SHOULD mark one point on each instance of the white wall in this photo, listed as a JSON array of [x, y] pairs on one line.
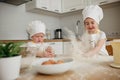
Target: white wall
[[14, 20], [70, 19], [110, 23]]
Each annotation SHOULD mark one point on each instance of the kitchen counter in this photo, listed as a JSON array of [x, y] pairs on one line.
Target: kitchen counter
[[46, 40], [96, 68]]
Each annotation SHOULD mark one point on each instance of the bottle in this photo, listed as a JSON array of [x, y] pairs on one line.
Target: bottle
[[48, 34]]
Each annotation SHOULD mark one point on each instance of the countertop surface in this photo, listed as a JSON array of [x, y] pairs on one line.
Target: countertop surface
[[96, 68], [50, 40], [46, 40]]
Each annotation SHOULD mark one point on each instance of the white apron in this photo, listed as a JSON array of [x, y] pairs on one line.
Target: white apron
[[89, 41]]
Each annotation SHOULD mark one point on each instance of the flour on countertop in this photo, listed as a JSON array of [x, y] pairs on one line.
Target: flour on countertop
[[83, 67]]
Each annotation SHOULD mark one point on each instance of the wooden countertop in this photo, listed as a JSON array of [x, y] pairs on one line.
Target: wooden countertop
[[49, 40], [46, 40], [83, 69]]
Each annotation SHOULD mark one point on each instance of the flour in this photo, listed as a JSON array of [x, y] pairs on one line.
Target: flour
[[87, 65], [27, 75], [84, 67]]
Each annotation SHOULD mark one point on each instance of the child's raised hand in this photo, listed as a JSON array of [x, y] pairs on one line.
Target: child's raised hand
[[49, 52], [49, 49]]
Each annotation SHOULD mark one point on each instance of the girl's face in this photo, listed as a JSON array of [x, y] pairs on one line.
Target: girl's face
[[39, 37], [91, 25]]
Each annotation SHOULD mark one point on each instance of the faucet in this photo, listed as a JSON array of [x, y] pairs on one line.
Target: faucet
[[78, 21], [77, 29]]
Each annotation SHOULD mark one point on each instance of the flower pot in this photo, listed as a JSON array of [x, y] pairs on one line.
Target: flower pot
[[10, 68]]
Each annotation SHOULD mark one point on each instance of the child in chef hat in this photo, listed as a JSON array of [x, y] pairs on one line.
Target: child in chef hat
[[36, 30], [93, 38]]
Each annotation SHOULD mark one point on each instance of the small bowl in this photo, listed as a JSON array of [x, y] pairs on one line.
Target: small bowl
[[52, 68]]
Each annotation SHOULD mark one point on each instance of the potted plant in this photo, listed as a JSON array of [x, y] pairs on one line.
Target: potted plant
[[10, 60]]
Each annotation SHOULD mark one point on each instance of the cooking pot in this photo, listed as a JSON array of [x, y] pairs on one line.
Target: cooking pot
[[58, 34]]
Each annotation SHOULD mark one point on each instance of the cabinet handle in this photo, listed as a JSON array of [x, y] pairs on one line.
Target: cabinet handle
[[44, 7], [103, 2], [52, 43], [56, 10], [73, 9]]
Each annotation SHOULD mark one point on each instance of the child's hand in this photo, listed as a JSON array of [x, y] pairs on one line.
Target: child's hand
[[49, 52], [49, 49]]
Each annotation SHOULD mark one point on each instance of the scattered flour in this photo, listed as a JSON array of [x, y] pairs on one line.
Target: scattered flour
[[83, 66]]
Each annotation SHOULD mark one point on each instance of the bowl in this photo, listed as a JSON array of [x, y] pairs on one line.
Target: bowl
[[53, 68]]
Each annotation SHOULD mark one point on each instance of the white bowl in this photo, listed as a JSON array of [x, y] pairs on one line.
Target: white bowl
[[53, 68]]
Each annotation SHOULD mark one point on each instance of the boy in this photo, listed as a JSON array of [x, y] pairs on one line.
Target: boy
[[36, 30]]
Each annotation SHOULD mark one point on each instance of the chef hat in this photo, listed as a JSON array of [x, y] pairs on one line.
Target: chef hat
[[94, 12], [36, 27]]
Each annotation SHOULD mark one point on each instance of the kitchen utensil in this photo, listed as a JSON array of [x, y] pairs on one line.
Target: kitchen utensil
[[58, 34], [53, 68]]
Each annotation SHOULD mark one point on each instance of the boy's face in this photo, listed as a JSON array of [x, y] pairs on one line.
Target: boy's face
[[39, 37], [91, 25]]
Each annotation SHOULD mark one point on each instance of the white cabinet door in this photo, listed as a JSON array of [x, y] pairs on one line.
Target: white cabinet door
[[57, 47], [68, 49], [38, 5], [55, 6], [49, 5], [43, 4], [102, 2], [74, 5], [71, 5], [63, 6]]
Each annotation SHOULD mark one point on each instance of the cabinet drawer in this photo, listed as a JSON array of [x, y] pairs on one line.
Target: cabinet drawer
[[57, 47]]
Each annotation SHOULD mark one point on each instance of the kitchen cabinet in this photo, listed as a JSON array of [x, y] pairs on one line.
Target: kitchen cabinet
[[48, 5], [57, 47], [103, 2], [55, 6], [68, 49], [57, 44], [63, 6], [75, 5], [37, 4], [62, 47], [71, 5], [43, 4]]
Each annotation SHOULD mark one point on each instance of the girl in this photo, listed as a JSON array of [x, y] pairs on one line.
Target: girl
[[93, 39]]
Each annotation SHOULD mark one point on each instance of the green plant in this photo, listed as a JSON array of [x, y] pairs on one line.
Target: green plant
[[10, 49]]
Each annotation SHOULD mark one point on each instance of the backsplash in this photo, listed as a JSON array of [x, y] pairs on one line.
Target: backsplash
[[113, 34]]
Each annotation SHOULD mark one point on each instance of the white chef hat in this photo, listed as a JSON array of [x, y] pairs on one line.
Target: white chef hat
[[36, 27], [94, 12]]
